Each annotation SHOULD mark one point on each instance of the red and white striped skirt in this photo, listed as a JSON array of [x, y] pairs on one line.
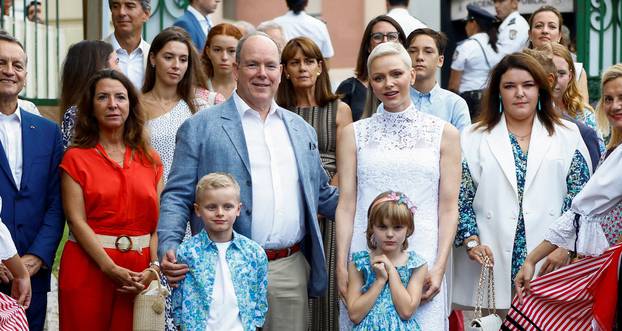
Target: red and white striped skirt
[[12, 315]]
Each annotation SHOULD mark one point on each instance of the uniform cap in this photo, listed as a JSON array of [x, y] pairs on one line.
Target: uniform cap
[[480, 14]]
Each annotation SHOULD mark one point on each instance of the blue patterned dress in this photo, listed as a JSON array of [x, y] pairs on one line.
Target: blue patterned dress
[[578, 175], [383, 316]]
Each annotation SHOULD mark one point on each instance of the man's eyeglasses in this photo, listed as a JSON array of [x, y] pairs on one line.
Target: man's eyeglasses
[[379, 36]]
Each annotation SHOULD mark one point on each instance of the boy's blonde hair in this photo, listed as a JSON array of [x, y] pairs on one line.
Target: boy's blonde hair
[[214, 181], [394, 206]]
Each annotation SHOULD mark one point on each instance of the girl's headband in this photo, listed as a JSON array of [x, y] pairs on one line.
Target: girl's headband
[[399, 198]]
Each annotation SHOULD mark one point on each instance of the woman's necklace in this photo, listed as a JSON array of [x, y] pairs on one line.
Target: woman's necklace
[[164, 105], [521, 138], [115, 154]]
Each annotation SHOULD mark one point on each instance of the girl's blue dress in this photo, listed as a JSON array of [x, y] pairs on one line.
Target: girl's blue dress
[[383, 315]]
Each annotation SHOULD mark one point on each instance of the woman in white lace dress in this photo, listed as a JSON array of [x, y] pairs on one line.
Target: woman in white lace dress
[[405, 150]]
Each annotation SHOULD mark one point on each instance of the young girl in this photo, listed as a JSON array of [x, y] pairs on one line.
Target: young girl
[[385, 285]]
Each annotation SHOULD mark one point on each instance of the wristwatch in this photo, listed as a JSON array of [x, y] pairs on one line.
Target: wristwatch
[[472, 244]]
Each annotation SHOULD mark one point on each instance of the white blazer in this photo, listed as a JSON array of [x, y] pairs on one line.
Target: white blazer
[[491, 163]]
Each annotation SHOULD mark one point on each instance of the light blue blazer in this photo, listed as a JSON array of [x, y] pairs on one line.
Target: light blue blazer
[[189, 22], [213, 141]]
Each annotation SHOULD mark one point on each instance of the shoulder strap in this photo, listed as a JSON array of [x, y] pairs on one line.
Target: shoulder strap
[[483, 51]]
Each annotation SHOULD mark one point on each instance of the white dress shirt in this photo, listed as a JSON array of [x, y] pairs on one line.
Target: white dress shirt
[[224, 313], [132, 64], [306, 25], [204, 21], [475, 58], [277, 218], [11, 139], [405, 20]]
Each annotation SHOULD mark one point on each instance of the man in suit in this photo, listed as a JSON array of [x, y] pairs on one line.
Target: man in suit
[[128, 17], [196, 21], [30, 152], [273, 154]]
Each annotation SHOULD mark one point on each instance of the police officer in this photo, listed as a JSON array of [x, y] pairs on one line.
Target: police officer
[[514, 29], [474, 58]]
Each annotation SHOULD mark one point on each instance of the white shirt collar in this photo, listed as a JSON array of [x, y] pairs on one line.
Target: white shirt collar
[[16, 116], [143, 47], [242, 107], [399, 10], [197, 14]]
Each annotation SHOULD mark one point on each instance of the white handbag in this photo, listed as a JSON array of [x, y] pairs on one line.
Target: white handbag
[[491, 322]]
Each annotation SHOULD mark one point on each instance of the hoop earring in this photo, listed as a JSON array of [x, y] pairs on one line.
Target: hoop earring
[[500, 105]]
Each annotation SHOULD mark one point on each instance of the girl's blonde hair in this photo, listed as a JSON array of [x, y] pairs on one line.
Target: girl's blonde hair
[[612, 73], [572, 98], [394, 210]]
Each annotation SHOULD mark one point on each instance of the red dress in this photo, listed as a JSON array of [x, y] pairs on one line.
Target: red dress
[[117, 201]]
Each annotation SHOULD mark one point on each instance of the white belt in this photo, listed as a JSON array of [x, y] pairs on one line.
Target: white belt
[[122, 243]]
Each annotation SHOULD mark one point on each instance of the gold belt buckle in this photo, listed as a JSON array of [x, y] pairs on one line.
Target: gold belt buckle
[[123, 243]]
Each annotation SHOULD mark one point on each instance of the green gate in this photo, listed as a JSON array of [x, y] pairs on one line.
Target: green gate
[[163, 14], [599, 38]]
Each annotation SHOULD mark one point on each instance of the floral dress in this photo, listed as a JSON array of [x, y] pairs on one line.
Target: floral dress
[[578, 175], [589, 119], [383, 316]]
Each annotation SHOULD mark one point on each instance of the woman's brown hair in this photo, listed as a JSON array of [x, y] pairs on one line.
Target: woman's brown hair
[[185, 87], [395, 211], [360, 71], [286, 95], [217, 30], [542, 9], [86, 133], [490, 115]]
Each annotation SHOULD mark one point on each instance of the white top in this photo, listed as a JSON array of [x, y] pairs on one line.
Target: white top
[[513, 34], [7, 247], [11, 140], [578, 69], [277, 218], [133, 64], [307, 26], [601, 194], [469, 58], [405, 20], [385, 146], [162, 131], [224, 313], [203, 20]]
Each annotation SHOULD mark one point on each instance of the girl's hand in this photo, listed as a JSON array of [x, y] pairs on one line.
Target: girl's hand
[[388, 265], [521, 282], [381, 271], [554, 261], [478, 253], [21, 291], [129, 280]]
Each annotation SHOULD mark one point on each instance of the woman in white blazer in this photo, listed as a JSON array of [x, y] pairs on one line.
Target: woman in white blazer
[[522, 166]]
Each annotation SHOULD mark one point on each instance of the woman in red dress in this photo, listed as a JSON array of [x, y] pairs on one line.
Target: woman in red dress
[[110, 185]]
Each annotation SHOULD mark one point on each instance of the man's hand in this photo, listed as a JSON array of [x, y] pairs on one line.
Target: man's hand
[[32, 263], [174, 271]]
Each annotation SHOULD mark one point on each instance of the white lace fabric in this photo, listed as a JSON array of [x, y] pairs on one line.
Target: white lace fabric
[[401, 152], [590, 240]]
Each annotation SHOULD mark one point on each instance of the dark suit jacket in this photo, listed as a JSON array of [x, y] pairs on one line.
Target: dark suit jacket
[[591, 139], [213, 141], [190, 23], [33, 212]]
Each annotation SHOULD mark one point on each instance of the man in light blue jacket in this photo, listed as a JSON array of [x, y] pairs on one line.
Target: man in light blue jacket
[[273, 154]]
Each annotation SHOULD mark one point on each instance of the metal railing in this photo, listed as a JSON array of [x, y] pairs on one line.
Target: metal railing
[[599, 38], [163, 14], [43, 41]]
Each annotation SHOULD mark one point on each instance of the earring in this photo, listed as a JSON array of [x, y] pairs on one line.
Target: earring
[[500, 105], [539, 106], [287, 76], [319, 72], [153, 65]]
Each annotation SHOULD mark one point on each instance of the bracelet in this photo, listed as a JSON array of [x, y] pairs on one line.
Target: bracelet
[[155, 265]]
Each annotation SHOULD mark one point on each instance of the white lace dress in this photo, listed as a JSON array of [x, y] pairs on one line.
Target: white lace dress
[[401, 152]]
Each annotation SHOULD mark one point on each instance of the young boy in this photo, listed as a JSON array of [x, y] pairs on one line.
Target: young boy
[[426, 48], [226, 287]]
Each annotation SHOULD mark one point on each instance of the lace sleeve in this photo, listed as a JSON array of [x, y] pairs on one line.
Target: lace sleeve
[[589, 238]]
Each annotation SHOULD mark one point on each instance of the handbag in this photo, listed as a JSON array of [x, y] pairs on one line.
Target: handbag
[[149, 306], [491, 322]]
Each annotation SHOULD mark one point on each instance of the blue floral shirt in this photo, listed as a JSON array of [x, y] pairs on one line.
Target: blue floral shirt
[[577, 176], [248, 265]]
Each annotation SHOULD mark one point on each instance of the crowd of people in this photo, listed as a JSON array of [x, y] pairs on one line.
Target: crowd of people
[[221, 159]]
